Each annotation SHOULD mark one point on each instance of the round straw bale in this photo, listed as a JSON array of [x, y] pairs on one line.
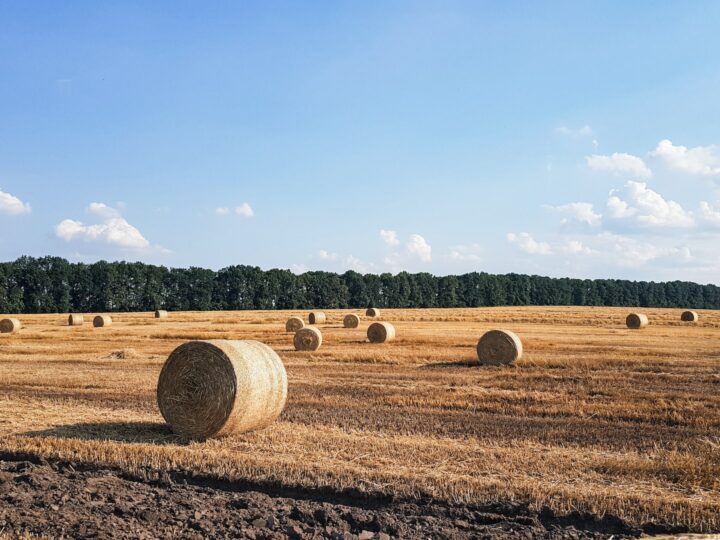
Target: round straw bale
[[8, 326], [294, 324], [637, 320], [75, 320], [372, 312], [351, 321], [380, 332], [689, 316], [220, 387], [316, 317], [161, 314], [498, 347], [102, 320], [307, 339]]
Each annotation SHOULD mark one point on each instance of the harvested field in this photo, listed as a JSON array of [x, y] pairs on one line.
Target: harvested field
[[594, 418]]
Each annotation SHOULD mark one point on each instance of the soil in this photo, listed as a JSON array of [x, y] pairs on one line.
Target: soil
[[60, 498]]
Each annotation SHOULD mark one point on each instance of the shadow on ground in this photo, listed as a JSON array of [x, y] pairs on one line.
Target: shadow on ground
[[127, 432]]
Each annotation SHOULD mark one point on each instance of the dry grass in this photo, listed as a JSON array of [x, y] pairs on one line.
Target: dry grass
[[593, 417]]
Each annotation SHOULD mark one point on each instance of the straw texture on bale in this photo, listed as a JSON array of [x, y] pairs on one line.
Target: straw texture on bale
[[689, 316], [307, 339], [316, 317], [216, 388], [637, 320], [102, 320], [294, 324], [161, 314], [372, 312], [498, 347], [351, 321], [8, 326], [380, 332], [75, 320]]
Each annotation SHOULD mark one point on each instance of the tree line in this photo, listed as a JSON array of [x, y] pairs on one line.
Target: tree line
[[54, 285]]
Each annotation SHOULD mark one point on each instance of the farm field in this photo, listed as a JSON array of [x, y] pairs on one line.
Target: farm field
[[594, 418]]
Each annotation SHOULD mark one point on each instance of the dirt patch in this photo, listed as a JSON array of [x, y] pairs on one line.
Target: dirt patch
[[84, 501], [124, 354]]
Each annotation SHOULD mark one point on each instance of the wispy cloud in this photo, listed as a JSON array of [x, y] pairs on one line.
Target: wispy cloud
[[619, 164]]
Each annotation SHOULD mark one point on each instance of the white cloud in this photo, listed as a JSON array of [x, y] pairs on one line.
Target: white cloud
[[581, 212], [113, 231], [353, 263], [619, 164], [12, 206], [298, 268], [648, 208], [327, 256], [222, 211], [245, 210], [528, 244], [389, 237], [463, 253], [418, 247], [631, 252], [585, 131], [701, 160], [576, 247], [709, 215]]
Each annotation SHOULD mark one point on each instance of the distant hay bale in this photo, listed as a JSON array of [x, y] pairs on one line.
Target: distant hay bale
[[307, 339], [102, 320], [351, 321], [161, 314], [372, 312], [294, 324], [498, 347], [9, 326], [689, 316], [637, 320], [316, 317], [75, 320], [381, 332], [217, 388]]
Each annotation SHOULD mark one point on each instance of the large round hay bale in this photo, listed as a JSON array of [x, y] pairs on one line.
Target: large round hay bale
[[217, 388], [636, 320], [380, 332], [161, 314], [75, 320], [498, 347], [307, 339], [689, 316], [372, 312], [8, 326], [351, 321], [294, 324], [102, 320], [316, 317]]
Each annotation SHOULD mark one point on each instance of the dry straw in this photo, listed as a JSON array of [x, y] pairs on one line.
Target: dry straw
[[498, 347], [689, 316], [316, 317], [217, 388], [307, 339], [161, 314], [75, 320], [294, 324], [380, 332], [372, 312], [637, 320], [8, 326], [102, 320], [351, 321]]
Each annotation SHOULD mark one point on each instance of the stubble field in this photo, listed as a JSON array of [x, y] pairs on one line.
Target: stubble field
[[594, 417]]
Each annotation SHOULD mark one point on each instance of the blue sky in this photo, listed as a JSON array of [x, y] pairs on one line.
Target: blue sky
[[562, 138]]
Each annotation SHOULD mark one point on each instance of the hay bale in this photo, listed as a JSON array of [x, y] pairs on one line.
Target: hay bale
[[316, 317], [161, 314], [351, 321], [637, 320], [294, 324], [372, 312], [102, 320], [380, 332], [75, 320], [307, 339], [498, 347], [219, 387], [689, 316], [9, 326]]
